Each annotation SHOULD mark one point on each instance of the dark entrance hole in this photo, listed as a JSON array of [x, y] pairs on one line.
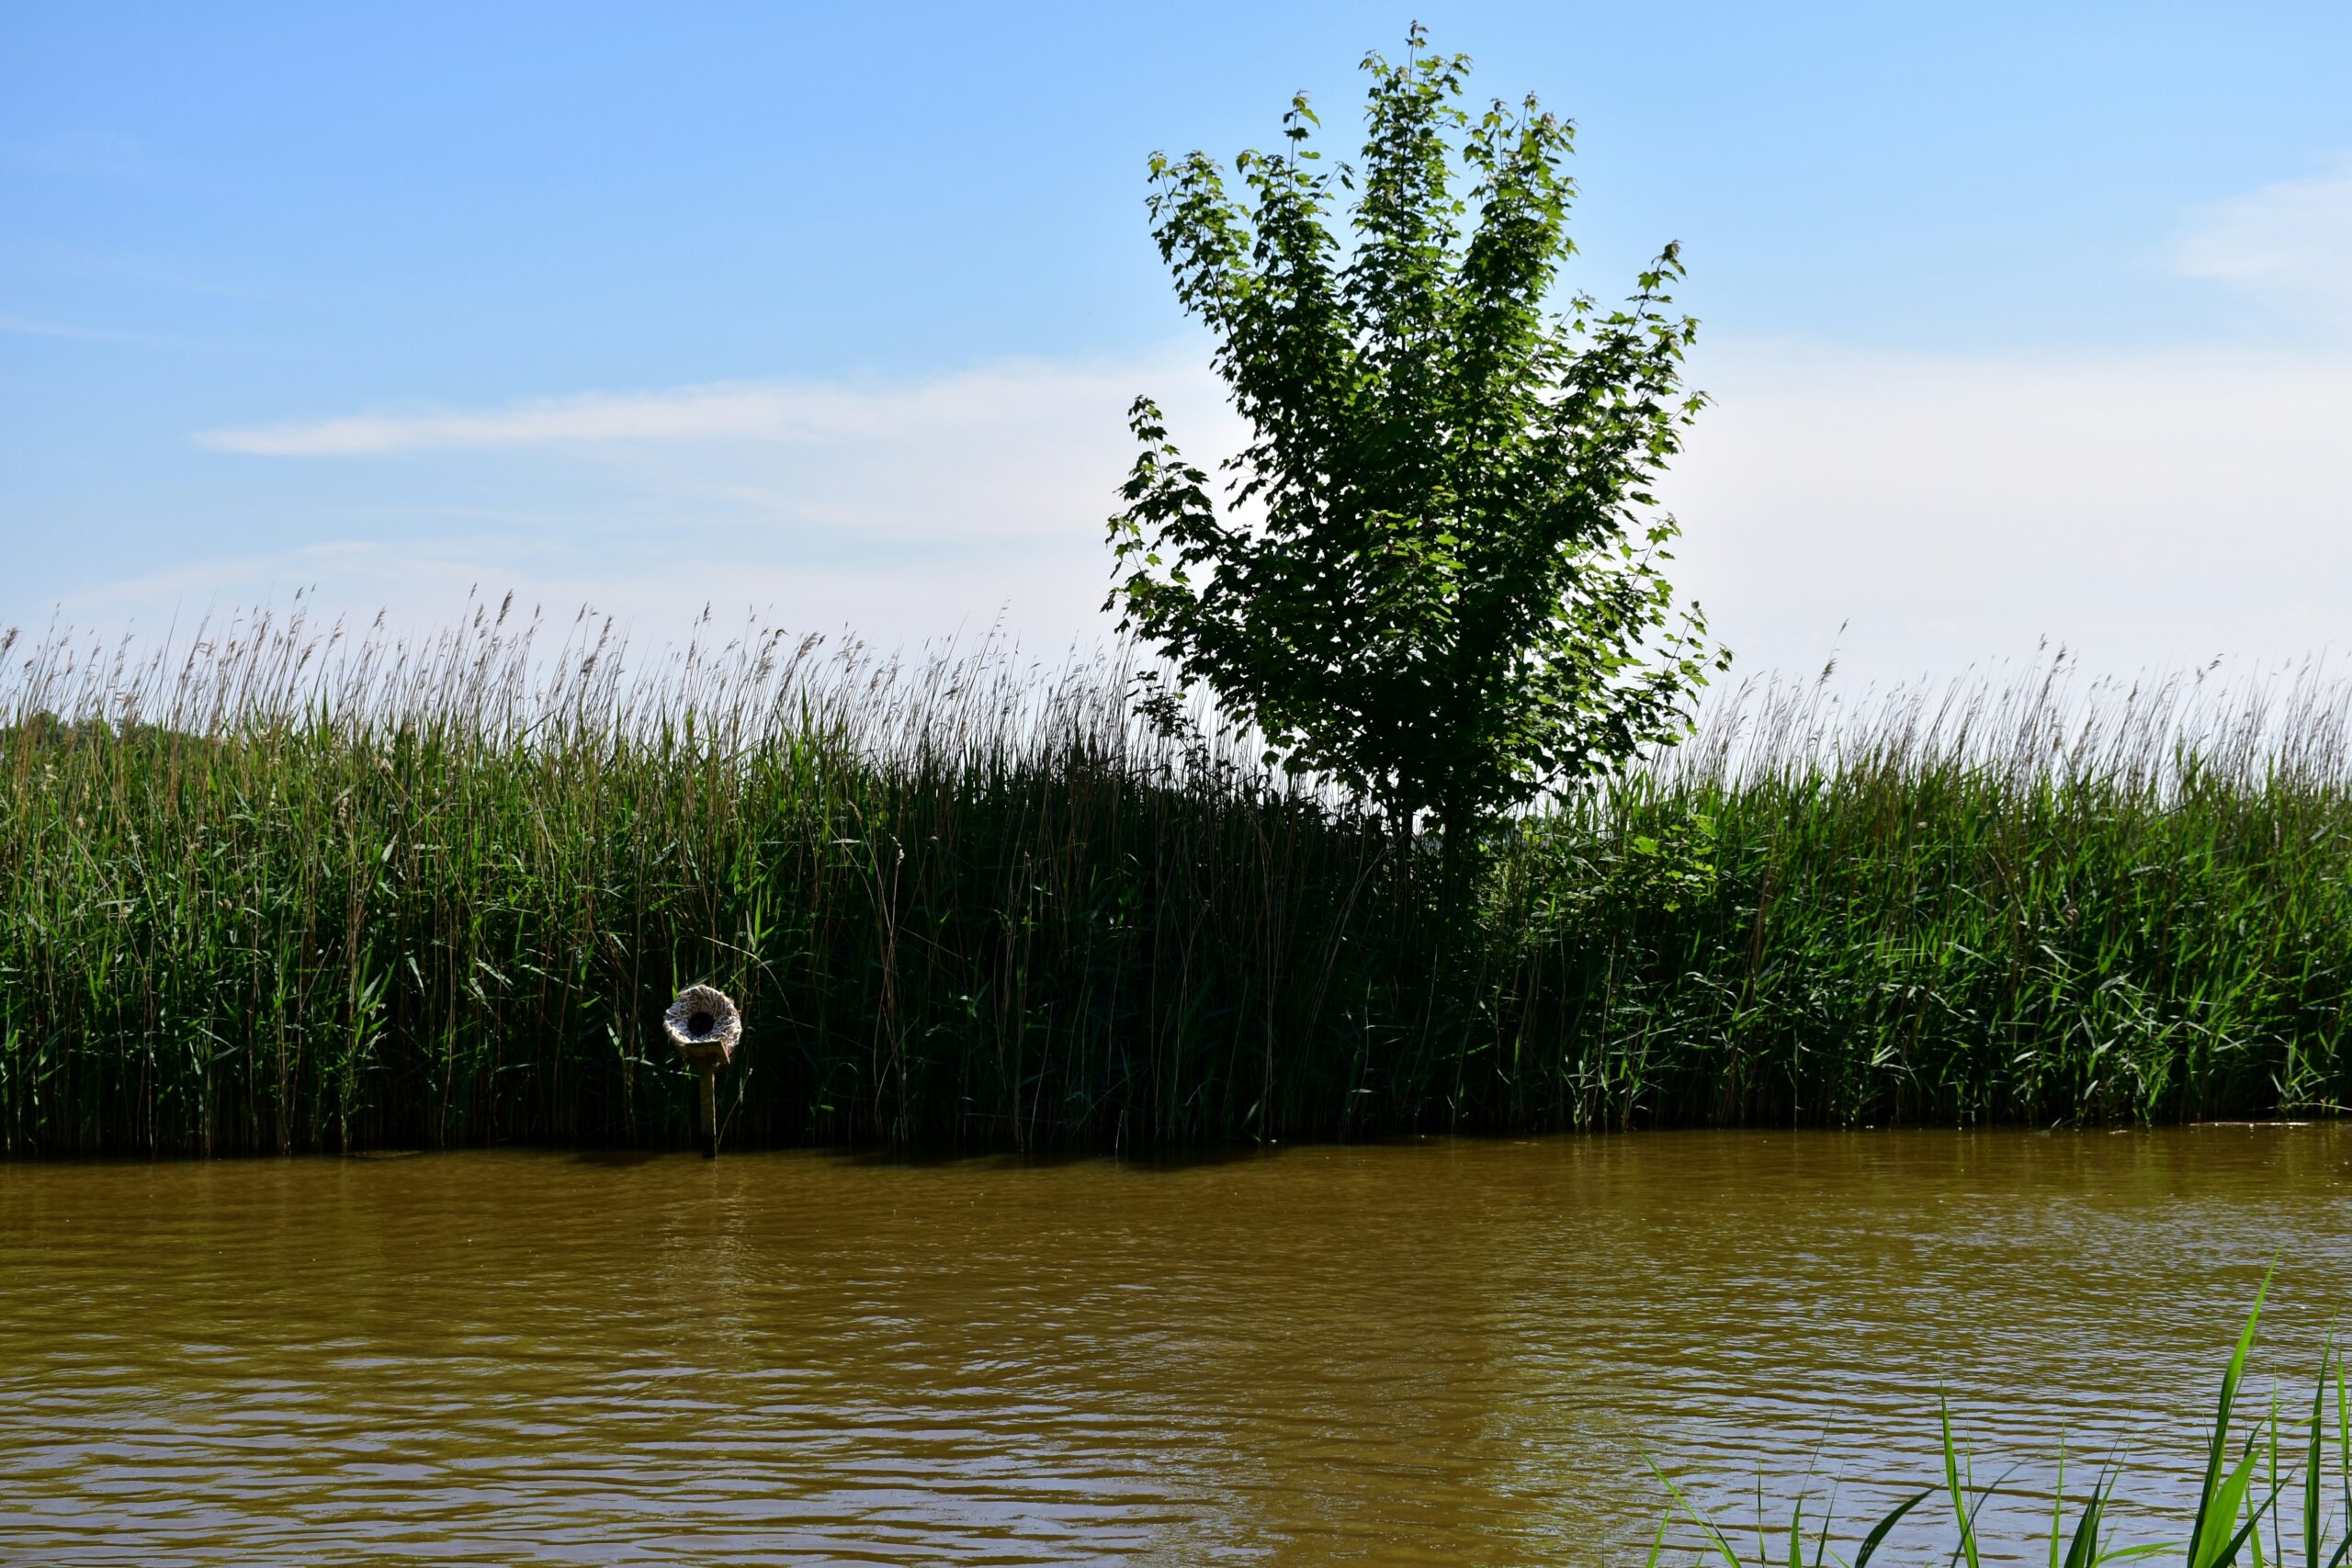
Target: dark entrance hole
[[699, 1023]]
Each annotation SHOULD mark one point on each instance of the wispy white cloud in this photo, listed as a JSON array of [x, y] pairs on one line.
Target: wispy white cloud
[[20, 326], [2147, 509], [693, 413], [740, 412], [901, 510], [643, 585], [2289, 243], [101, 154]]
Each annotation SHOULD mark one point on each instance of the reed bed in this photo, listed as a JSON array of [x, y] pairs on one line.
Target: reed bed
[[285, 886]]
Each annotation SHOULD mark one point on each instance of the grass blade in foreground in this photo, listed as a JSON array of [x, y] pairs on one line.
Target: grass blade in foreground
[[2226, 1529]]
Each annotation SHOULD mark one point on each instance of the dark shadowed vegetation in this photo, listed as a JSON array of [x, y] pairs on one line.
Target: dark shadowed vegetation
[[289, 889]]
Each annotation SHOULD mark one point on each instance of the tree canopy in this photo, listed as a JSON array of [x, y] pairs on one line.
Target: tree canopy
[[1434, 575]]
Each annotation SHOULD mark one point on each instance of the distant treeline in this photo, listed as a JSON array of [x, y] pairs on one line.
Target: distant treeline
[[286, 891]]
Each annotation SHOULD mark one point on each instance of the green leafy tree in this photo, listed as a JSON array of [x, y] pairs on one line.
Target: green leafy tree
[[1436, 574]]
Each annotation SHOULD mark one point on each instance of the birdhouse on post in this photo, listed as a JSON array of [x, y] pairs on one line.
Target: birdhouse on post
[[704, 1024]]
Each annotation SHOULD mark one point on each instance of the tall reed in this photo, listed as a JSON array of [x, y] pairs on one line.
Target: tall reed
[[287, 885]]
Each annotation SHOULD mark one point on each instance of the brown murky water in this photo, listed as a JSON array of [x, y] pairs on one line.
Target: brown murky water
[[1448, 1352]]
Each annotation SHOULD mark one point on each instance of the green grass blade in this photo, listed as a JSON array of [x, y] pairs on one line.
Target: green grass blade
[[2217, 1452], [2313, 1458], [2058, 1501], [1885, 1525], [1706, 1525], [1966, 1549], [2081, 1551], [2227, 1551]]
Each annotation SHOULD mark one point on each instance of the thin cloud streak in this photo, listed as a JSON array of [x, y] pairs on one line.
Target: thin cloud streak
[[2289, 244], [110, 157], [697, 413], [2148, 511], [757, 411], [19, 326]]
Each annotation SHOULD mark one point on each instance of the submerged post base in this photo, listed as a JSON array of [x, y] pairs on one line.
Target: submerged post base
[[706, 1083]]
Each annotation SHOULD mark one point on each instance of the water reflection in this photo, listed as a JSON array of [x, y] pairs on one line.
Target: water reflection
[[1445, 1352]]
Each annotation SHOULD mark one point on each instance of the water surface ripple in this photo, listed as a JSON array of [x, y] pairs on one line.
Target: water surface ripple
[[1451, 1352]]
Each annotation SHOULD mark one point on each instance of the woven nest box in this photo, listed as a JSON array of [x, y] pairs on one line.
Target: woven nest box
[[704, 1024]]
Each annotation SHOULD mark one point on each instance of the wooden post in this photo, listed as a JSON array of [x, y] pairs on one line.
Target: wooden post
[[707, 1072], [705, 1025]]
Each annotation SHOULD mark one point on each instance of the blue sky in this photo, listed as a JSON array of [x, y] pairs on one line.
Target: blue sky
[[2026, 320]]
